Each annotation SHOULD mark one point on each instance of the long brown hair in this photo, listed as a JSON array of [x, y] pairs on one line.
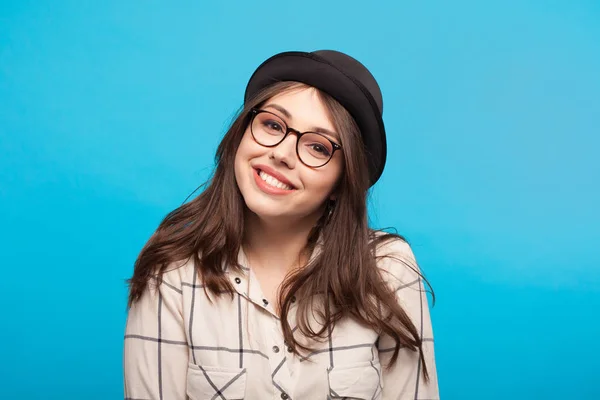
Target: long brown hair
[[210, 229]]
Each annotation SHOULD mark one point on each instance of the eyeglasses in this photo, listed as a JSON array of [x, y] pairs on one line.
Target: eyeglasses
[[313, 149]]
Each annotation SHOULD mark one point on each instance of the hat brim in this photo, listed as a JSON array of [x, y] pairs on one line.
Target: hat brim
[[313, 70]]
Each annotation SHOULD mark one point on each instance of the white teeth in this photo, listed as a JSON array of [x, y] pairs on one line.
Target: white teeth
[[273, 182]]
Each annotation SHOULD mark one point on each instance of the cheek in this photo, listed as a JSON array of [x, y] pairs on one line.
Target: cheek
[[247, 151], [241, 158], [248, 148], [322, 183], [244, 151]]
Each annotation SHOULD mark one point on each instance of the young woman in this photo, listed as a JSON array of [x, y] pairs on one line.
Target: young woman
[[270, 284]]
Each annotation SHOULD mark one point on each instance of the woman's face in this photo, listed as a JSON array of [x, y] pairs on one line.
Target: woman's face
[[260, 170]]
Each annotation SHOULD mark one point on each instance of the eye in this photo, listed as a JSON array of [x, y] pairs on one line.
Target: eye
[[320, 149], [273, 126]]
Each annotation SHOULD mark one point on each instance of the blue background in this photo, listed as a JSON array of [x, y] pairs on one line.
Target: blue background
[[110, 113]]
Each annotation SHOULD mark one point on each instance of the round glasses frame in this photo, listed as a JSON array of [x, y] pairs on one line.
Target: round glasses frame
[[255, 111]]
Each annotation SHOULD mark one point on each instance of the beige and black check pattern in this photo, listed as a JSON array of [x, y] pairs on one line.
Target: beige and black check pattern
[[179, 344]]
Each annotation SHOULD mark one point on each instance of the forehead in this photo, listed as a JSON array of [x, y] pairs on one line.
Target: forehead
[[304, 106]]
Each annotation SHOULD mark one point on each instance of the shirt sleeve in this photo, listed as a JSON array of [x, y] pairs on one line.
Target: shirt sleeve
[[405, 380], [155, 357]]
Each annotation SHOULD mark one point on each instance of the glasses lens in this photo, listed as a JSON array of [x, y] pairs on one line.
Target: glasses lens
[[314, 149], [268, 129]]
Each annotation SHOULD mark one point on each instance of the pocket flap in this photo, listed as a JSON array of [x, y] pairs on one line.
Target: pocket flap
[[355, 382], [215, 383]]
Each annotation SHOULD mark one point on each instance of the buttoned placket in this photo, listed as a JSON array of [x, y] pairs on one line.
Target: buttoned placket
[[247, 285]]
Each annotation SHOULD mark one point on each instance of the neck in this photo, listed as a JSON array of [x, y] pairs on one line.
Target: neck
[[275, 245]]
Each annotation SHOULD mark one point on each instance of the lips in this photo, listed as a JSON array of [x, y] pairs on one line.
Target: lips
[[268, 188], [270, 171]]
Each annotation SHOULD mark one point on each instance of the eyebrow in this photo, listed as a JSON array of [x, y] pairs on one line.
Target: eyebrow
[[314, 129]]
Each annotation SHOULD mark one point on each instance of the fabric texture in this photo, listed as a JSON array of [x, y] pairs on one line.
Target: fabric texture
[[343, 78], [181, 345]]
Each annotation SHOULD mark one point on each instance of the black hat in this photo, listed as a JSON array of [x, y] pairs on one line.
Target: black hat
[[343, 78]]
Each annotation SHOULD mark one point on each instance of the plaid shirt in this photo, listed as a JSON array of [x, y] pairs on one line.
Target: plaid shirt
[[181, 345]]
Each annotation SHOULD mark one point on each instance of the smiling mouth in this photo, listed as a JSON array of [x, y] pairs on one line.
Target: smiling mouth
[[272, 181]]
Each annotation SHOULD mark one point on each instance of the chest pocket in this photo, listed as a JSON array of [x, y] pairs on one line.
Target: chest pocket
[[204, 383], [359, 381]]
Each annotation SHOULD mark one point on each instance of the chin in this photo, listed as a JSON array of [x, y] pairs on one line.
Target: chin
[[268, 208], [264, 209]]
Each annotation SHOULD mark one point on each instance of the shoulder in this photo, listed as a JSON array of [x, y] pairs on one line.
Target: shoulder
[[178, 273], [395, 260]]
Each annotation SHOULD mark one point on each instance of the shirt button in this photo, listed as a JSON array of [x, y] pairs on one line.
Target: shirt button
[[275, 349], [284, 396], [266, 303], [238, 280], [289, 349]]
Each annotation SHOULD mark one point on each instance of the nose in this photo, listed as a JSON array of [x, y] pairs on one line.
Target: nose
[[285, 152]]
